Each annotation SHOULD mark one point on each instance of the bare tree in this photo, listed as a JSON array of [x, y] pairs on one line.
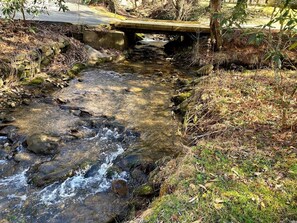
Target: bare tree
[[182, 8], [215, 26]]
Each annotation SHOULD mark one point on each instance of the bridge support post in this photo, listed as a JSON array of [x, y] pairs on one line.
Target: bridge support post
[[131, 39], [105, 39]]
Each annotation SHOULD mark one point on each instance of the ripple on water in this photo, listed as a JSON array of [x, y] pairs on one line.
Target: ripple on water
[[57, 193], [16, 181], [102, 94], [13, 190], [81, 185], [3, 162], [3, 138]]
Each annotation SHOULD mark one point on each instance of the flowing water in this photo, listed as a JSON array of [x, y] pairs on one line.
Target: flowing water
[[108, 118]]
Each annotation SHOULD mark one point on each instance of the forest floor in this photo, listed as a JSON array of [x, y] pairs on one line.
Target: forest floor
[[241, 165]]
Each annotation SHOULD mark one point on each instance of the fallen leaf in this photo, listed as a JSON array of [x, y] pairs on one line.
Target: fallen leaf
[[218, 201], [218, 206], [200, 185], [193, 199]]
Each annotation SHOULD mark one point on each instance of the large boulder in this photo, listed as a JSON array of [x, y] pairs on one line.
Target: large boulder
[[50, 172], [43, 144], [73, 155], [97, 57]]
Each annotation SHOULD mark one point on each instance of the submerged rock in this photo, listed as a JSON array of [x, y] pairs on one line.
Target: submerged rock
[[103, 208], [120, 187], [93, 170], [81, 133], [43, 144], [11, 132], [135, 89], [7, 119], [48, 173], [24, 157], [129, 162]]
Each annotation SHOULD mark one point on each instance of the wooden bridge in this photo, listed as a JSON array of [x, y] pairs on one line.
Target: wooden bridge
[[159, 26], [122, 35]]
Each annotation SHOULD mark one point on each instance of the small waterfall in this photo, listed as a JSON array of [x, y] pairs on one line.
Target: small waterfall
[[59, 192]]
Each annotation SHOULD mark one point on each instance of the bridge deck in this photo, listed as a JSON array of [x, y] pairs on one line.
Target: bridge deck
[[154, 26]]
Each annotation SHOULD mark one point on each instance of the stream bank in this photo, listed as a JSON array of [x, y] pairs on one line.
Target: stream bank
[[240, 163], [38, 57], [101, 145], [84, 152]]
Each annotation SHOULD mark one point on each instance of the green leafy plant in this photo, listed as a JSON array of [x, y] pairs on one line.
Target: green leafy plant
[[237, 17], [11, 7], [278, 41]]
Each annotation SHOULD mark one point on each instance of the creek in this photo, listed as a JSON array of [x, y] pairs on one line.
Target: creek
[[113, 122]]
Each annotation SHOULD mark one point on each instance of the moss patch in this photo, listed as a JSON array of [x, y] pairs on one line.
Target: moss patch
[[36, 81]]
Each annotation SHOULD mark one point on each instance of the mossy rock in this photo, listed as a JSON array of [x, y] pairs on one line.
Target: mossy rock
[[177, 99], [46, 61], [56, 48], [182, 82], [112, 171], [34, 55], [144, 190], [36, 81], [47, 51], [23, 74], [78, 67], [70, 74], [63, 43]]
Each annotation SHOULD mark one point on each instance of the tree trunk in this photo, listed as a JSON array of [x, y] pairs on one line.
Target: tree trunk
[[215, 27], [179, 9], [22, 9]]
